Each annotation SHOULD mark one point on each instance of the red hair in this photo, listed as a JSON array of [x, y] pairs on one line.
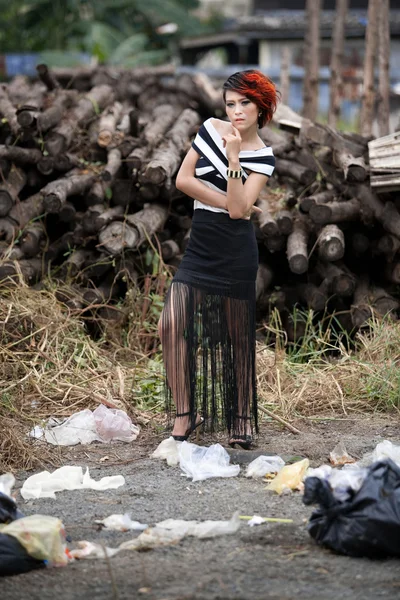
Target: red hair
[[258, 88]]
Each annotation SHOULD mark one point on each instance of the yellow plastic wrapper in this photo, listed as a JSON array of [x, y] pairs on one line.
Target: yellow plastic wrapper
[[42, 537], [290, 477]]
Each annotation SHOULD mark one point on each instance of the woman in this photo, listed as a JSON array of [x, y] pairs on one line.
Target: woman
[[207, 327]]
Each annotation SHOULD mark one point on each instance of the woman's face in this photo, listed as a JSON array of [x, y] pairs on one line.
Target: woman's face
[[242, 112]]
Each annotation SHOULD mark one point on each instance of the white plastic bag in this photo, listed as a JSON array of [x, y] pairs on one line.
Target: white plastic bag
[[122, 523], [169, 450], [80, 428], [203, 463], [7, 482], [45, 484], [114, 424], [263, 465]]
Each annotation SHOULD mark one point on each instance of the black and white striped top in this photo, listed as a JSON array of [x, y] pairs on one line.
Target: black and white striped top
[[213, 163]]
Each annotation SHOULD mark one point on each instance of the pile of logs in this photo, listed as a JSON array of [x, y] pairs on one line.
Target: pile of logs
[[88, 161]]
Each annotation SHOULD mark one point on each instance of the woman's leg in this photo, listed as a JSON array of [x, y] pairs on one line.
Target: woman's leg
[[241, 329], [175, 330]]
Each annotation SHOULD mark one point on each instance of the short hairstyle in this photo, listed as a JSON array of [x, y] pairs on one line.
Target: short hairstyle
[[258, 88]]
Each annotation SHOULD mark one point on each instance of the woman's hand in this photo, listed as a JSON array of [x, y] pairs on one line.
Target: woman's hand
[[232, 143]]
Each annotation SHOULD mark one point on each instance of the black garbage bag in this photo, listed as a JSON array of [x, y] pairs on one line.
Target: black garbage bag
[[8, 509], [368, 524], [14, 559]]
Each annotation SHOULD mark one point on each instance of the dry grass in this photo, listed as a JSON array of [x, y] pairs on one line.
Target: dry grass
[[50, 366]]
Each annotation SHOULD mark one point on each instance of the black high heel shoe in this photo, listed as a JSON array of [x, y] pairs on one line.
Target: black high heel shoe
[[243, 440], [183, 438]]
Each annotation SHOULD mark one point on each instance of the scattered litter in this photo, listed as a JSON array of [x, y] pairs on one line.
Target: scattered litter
[[290, 477], [84, 427], [91, 550], [41, 536], [202, 463], [367, 523], [264, 465], [122, 523], [339, 455], [382, 451], [164, 533], [7, 482], [168, 450], [45, 484], [257, 520]]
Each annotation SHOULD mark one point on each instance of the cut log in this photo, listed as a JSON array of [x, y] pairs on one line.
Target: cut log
[[297, 247], [388, 244], [8, 110], [319, 198], [275, 243], [169, 249], [361, 308], [359, 243], [284, 220], [301, 174], [114, 162], [28, 270], [75, 263], [166, 159], [390, 219], [136, 228], [32, 240], [45, 166], [56, 193], [266, 221], [314, 297], [335, 212], [137, 160], [104, 218], [163, 118], [331, 243], [354, 169], [96, 194], [23, 156], [108, 123], [10, 189], [340, 279]]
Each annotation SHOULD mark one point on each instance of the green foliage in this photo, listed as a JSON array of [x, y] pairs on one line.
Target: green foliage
[[122, 32]]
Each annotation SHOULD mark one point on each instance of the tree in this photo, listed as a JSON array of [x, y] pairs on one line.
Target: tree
[[384, 54], [336, 81], [311, 60], [117, 31], [371, 40]]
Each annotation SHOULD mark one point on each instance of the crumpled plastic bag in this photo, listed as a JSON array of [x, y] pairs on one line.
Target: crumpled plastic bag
[[114, 424], [339, 455], [7, 482], [290, 477], [343, 482], [366, 524], [382, 451], [168, 450], [122, 523], [262, 465], [45, 484], [84, 427], [202, 463], [43, 538], [165, 533]]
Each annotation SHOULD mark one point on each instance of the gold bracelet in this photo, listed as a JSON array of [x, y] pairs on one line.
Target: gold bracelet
[[234, 174]]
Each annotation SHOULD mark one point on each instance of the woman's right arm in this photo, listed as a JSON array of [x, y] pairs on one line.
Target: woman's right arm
[[186, 182]]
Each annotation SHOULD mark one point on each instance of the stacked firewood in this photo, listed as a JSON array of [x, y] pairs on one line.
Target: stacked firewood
[[88, 161]]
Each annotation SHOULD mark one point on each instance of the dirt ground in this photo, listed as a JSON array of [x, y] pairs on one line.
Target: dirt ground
[[274, 561]]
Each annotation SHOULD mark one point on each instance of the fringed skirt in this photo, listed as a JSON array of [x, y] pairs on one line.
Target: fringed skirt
[[207, 325]]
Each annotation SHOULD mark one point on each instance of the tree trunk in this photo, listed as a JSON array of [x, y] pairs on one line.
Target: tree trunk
[[114, 162], [384, 60], [354, 169], [284, 220], [23, 156], [331, 243], [136, 228], [336, 81], [335, 212], [166, 159], [314, 297], [108, 123], [10, 190], [295, 171], [31, 240], [266, 221], [320, 198], [371, 39], [297, 247], [311, 60], [57, 192], [285, 74], [341, 281], [162, 120], [8, 110]]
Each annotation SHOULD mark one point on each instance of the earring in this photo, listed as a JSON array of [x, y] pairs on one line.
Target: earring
[[260, 114]]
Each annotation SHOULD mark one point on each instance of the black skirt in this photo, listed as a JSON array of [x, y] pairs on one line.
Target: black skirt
[[208, 323]]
